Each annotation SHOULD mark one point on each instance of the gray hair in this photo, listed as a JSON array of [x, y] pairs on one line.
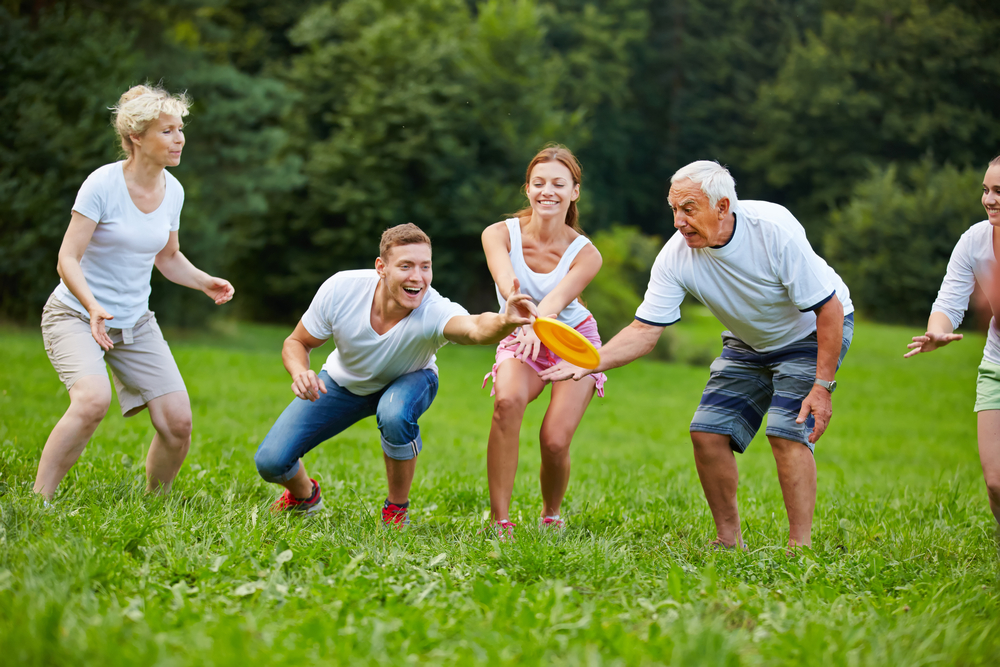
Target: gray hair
[[715, 180]]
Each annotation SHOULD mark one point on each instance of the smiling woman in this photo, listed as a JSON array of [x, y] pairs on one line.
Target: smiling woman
[[125, 219], [974, 260], [543, 250]]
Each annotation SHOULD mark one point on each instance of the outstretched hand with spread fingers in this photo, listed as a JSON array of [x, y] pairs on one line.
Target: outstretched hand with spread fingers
[[520, 308], [929, 342], [564, 371]]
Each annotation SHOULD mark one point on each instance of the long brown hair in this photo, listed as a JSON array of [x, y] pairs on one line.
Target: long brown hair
[[556, 153]]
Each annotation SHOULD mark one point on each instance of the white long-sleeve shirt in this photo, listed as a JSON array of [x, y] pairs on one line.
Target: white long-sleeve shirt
[[971, 260]]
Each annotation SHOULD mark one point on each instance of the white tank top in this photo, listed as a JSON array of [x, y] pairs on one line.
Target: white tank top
[[538, 285]]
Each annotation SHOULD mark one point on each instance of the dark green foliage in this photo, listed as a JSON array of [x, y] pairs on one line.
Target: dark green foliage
[[892, 240], [316, 125], [56, 80], [394, 127], [880, 82], [617, 290]]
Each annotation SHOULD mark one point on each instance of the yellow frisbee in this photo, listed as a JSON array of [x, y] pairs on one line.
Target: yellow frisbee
[[567, 342]]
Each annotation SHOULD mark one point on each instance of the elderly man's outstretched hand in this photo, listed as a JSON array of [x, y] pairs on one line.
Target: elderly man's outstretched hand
[[564, 371], [819, 402]]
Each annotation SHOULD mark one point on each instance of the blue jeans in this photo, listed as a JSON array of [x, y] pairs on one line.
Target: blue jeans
[[304, 424]]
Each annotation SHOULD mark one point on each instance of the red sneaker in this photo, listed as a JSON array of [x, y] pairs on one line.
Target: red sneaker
[[394, 516], [289, 503]]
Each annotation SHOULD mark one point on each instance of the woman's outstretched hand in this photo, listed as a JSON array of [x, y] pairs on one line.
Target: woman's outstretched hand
[[929, 342]]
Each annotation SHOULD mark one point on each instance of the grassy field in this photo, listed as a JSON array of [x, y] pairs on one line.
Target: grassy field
[[904, 569]]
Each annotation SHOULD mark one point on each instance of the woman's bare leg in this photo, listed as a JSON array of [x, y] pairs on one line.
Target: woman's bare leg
[[88, 403], [171, 417], [516, 385], [989, 456], [569, 401]]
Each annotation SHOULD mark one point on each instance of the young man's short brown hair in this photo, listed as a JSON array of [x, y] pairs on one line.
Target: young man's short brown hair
[[407, 234]]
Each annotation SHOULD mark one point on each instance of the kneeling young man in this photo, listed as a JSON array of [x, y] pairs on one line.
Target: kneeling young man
[[387, 325]]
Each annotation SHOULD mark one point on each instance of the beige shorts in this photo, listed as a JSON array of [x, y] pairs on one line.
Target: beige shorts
[[143, 369]]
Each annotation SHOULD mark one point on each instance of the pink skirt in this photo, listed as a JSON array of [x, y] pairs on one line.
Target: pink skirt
[[547, 358]]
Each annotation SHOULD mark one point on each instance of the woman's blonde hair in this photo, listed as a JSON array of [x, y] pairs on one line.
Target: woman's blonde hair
[[139, 106]]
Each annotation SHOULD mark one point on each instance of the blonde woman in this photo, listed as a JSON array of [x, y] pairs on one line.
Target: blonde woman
[[124, 221], [543, 250]]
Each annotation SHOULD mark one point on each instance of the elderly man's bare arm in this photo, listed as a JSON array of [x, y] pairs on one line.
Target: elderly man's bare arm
[[830, 336], [634, 341]]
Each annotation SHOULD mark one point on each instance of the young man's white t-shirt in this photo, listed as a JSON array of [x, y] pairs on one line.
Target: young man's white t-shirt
[[364, 361], [762, 285], [119, 259], [971, 260]]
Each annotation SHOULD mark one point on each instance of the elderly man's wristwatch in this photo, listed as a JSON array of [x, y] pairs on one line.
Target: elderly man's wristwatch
[[828, 385]]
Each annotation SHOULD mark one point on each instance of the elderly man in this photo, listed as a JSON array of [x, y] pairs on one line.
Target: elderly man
[[750, 263]]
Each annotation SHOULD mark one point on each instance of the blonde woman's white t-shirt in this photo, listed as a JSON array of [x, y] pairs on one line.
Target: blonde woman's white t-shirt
[[365, 361], [118, 261], [971, 260], [762, 285]]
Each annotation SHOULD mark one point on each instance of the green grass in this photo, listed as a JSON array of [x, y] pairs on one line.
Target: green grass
[[904, 569]]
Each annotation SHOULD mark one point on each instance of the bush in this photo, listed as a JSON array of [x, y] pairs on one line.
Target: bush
[[616, 291], [892, 241]]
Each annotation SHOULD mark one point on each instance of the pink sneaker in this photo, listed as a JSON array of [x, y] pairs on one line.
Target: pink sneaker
[[503, 529], [551, 523]]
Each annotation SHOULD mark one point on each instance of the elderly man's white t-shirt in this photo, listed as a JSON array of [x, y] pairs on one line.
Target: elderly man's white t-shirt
[[971, 260], [119, 259], [762, 285], [364, 361]]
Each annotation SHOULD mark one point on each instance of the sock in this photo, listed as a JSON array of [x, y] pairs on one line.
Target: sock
[[401, 506], [312, 496]]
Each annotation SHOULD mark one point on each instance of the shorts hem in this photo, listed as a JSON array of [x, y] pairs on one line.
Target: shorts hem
[[734, 442], [790, 435], [133, 407], [71, 382]]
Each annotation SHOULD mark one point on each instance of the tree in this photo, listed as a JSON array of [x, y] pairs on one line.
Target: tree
[[58, 80], [882, 81], [892, 240]]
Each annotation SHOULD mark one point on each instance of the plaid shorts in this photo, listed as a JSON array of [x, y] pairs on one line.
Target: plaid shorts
[[746, 384]]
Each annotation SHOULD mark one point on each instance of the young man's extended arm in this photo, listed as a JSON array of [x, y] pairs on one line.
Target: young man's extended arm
[[491, 328], [295, 355]]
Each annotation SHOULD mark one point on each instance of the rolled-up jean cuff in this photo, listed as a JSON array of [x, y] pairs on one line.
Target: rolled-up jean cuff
[[402, 452], [267, 475]]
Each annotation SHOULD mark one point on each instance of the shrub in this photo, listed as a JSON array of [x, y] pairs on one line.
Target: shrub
[[892, 240]]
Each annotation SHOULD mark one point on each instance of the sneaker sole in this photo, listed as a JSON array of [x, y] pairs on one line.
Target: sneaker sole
[[312, 509]]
